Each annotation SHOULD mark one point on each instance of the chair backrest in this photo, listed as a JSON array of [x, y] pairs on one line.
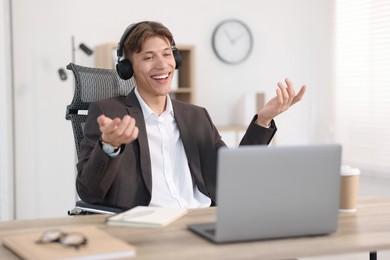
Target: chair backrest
[[92, 84]]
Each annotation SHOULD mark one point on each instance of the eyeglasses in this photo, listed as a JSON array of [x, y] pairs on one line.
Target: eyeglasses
[[73, 239]]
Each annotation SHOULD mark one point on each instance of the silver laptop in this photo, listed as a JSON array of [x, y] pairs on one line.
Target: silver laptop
[[275, 192]]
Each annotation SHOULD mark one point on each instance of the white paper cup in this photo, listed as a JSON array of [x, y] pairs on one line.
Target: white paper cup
[[349, 188]]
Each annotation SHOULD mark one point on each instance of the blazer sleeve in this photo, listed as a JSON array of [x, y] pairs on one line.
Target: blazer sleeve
[[258, 135], [96, 170]]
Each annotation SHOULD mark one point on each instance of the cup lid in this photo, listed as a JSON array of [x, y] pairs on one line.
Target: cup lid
[[347, 170]]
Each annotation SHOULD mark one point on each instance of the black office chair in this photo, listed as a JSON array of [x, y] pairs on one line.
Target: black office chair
[[92, 84]]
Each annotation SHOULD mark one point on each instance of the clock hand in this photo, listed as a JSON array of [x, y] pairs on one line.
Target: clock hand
[[237, 38], [228, 36]]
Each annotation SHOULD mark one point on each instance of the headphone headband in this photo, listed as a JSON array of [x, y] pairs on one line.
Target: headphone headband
[[121, 44]]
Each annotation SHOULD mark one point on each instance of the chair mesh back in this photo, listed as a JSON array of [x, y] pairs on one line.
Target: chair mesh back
[[92, 84]]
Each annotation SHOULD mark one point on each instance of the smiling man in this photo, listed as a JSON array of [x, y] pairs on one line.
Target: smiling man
[[149, 149]]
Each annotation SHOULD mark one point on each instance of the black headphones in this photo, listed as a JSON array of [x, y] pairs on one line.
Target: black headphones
[[124, 67]]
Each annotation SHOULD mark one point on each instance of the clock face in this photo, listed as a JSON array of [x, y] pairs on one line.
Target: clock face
[[232, 41]]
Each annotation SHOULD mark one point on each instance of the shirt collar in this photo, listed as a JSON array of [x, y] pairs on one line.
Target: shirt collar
[[147, 112]]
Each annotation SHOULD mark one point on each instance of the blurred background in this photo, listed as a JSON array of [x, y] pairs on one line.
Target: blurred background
[[338, 48]]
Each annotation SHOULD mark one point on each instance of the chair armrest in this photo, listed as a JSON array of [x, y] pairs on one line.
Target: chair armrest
[[84, 208]]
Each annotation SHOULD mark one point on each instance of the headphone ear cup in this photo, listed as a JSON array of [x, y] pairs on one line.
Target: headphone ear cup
[[178, 60], [124, 69]]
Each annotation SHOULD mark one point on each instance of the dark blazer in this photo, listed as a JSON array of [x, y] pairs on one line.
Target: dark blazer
[[126, 180]]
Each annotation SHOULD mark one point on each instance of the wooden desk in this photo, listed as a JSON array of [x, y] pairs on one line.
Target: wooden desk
[[366, 230]]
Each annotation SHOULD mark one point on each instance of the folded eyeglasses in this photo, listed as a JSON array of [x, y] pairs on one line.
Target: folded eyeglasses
[[72, 239]]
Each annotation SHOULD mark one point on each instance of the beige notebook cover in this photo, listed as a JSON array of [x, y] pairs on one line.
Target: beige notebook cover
[[100, 245], [143, 216]]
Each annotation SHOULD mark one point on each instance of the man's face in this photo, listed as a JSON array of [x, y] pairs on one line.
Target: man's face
[[154, 67]]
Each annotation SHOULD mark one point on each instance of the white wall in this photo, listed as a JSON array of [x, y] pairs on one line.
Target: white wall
[[6, 115], [292, 39]]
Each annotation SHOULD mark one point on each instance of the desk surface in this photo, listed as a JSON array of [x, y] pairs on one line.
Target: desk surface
[[366, 230]]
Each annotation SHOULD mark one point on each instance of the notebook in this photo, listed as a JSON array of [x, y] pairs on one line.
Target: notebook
[[100, 245], [275, 192], [145, 216]]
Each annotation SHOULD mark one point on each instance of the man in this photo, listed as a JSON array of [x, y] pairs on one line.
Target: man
[[148, 149]]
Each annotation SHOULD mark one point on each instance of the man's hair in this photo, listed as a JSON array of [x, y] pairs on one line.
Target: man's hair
[[143, 31]]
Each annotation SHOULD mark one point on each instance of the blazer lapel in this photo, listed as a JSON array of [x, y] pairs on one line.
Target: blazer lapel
[[134, 110], [190, 146]]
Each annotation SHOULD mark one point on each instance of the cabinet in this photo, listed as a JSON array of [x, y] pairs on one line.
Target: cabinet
[[183, 85], [232, 134]]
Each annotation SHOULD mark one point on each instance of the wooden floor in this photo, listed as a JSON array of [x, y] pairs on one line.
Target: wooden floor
[[367, 186]]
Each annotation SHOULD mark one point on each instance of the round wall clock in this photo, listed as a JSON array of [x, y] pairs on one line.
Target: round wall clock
[[232, 41]]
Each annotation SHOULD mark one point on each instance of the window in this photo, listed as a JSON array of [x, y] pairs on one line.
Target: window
[[362, 83]]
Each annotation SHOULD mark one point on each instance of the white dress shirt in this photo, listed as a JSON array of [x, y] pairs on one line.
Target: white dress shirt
[[172, 184]]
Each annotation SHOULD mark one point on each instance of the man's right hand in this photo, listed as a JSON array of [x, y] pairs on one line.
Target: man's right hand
[[117, 131]]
